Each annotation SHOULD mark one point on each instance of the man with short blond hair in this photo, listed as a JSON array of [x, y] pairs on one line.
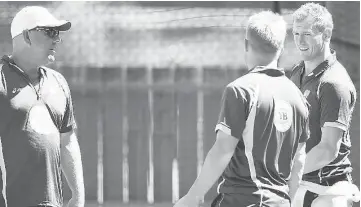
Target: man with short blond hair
[[329, 90], [261, 130]]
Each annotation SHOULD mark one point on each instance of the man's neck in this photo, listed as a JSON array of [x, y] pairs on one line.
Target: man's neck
[[312, 64], [272, 64], [28, 67]]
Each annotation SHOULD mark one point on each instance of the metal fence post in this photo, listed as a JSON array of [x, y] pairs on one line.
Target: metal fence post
[[200, 111], [276, 7], [150, 174], [100, 145], [175, 166], [125, 129]]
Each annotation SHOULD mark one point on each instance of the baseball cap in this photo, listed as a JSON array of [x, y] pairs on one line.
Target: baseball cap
[[31, 17]]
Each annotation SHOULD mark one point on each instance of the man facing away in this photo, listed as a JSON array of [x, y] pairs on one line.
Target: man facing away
[[332, 96], [261, 131], [37, 125]]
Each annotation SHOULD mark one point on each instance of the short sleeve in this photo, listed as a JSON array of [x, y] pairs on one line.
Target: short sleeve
[[233, 113], [336, 105], [68, 122]]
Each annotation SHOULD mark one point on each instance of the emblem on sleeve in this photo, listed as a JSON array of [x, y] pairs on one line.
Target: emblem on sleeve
[[15, 90], [283, 115]]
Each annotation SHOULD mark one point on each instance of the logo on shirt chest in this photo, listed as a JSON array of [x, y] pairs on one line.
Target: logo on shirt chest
[[15, 90], [283, 115]]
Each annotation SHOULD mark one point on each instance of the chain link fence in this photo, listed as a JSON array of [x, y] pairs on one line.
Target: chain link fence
[[112, 34]]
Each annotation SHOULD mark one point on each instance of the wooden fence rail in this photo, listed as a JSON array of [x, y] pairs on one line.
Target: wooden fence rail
[[144, 132]]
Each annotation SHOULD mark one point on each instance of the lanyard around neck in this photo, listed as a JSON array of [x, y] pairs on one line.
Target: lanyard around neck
[[27, 78]]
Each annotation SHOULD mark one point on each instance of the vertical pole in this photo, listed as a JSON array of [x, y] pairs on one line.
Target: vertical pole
[[150, 174], [276, 7], [100, 139], [125, 128], [175, 167], [200, 111]]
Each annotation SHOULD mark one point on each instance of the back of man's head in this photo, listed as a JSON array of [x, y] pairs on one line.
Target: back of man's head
[[322, 18], [266, 32]]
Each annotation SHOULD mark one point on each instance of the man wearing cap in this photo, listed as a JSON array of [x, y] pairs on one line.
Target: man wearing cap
[[37, 125], [259, 151], [330, 92]]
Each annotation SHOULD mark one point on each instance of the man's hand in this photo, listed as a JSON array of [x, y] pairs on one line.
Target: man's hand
[[188, 201]]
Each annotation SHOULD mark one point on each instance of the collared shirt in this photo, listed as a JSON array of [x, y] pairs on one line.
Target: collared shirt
[[332, 97], [268, 114], [31, 122]]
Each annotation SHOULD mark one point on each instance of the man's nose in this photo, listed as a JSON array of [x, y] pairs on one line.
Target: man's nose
[[302, 39], [57, 39]]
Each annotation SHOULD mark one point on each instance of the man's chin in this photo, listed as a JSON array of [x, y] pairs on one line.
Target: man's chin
[[306, 57]]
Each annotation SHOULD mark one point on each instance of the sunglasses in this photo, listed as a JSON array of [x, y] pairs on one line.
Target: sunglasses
[[50, 32]]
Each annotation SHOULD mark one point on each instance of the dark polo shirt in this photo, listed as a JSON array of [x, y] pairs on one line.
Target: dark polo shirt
[[332, 96], [269, 115], [30, 128]]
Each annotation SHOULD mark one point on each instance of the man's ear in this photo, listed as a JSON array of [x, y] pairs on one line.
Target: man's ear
[[26, 37], [326, 36]]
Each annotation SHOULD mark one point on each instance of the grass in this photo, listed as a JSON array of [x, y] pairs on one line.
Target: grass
[[118, 204], [133, 204], [136, 204]]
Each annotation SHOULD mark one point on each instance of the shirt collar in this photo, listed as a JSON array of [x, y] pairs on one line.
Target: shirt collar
[[263, 69], [322, 67], [10, 62]]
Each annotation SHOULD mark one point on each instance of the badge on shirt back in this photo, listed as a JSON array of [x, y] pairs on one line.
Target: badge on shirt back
[[283, 115]]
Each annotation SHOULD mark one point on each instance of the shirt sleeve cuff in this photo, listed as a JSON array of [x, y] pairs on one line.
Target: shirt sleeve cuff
[[335, 124], [223, 128]]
